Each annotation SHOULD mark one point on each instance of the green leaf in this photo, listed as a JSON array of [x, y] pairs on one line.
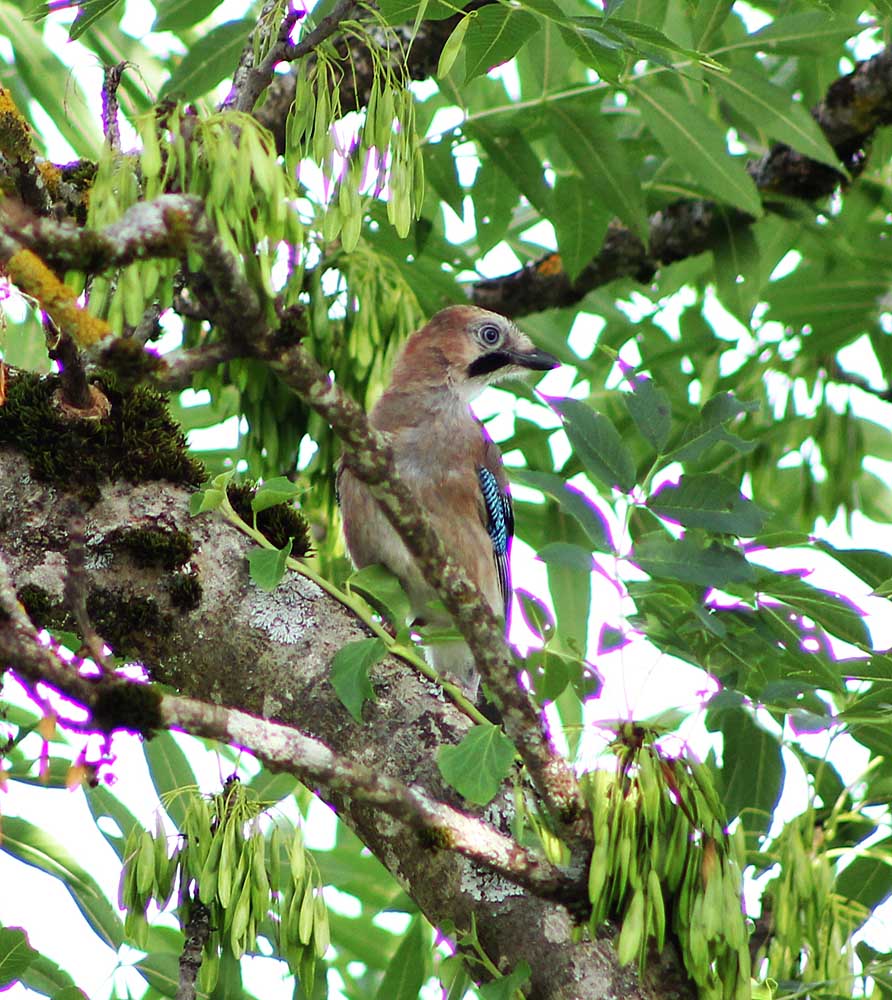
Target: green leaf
[[611, 638], [536, 615], [162, 971], [103, 803], [269, 787], [736, 258], [869, 565], [572, 501], [650, 408], [440, 171], [687, 560], [174, 15], [838, 302], [171, 772], [274, 491], [840, 616], [204, 501], [71, 992], [209, 60], [267, 566], [708, 18], [595, 49], [518, 161], [477, 767], [566, 554], [506, 987], [350, 673], [752, 769], [773, 109], [596, 442], [383, 591], [33, 846], [806, 33], [695, 141], [710, 428], [36, 74], [43, 975], [580, 221], [405, 11], [88, 13], [868, 880], [15, 955], [497, 35], [708, 502], [407, 970], [589, 141]]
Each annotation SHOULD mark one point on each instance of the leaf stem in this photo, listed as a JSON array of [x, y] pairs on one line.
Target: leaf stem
[[362, 611]]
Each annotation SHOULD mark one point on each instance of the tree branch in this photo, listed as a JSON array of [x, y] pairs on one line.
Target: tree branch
[[283, 748], [165, 226], [250, 81], [372, 461], [854, 107], [197, 932], [269, 655]]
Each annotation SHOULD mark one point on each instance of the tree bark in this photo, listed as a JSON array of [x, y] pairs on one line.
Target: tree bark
[[269, 654]]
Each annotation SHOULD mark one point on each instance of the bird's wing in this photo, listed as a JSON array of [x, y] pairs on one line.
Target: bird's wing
[[499, 515]]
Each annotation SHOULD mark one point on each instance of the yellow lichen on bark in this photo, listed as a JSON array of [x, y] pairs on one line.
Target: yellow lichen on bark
[[59, 301], [15, 132]]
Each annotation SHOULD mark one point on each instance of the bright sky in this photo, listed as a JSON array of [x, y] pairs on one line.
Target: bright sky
[[639, 680]]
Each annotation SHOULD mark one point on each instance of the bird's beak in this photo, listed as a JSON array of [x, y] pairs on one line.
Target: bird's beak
[[535, 360]]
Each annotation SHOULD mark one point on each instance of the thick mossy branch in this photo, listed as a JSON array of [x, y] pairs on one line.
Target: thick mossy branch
[[155, 547], [138, 441], [130, 706]]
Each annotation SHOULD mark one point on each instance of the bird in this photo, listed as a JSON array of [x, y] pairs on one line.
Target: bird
[[451, 465]]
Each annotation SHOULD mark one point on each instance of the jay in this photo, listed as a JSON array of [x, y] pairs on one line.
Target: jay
[[447, 459]]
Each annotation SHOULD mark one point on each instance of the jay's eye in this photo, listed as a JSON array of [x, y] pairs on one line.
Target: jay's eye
[[490, 335]]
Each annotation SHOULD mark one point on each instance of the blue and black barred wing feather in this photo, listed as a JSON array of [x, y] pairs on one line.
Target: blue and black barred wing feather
[[499, 524]]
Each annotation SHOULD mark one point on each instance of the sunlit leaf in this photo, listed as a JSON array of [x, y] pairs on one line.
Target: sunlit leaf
[[498, 32], [688, 560], [698, 143], [477, 767], [34, 846], [350, 673], [709, 502]]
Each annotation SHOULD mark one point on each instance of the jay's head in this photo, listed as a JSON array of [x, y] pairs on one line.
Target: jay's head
[[468, 348]]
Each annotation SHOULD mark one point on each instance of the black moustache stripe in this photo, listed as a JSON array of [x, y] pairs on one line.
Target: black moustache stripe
[[488, 363]]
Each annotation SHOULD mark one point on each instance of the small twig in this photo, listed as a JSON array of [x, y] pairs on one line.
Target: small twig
[[148, 328], [73, 384], [179, 366], [198, 930], [110, 124], [21, 646], [257, 78], [344, 11]]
